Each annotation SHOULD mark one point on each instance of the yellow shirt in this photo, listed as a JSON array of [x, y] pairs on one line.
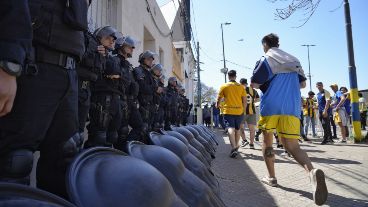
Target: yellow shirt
[[309, 106], [232, 92]]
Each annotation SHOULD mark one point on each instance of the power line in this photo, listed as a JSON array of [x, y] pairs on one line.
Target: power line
[[155, 23]]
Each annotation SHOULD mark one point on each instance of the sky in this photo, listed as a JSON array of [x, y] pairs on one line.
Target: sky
[[253, 19]]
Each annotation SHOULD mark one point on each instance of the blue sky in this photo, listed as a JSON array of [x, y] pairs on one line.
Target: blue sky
[[252, 19]]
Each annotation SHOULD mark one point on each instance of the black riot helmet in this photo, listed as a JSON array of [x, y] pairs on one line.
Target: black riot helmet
[[157, 69], [105, 31], [146, 54], [125, 41], [172, 81]]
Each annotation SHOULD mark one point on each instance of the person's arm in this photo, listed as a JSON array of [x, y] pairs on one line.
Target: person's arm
[[256, 96], [342, 101], [328, 102], [244, 100], [303, 84], [220, 96], [15, 44]]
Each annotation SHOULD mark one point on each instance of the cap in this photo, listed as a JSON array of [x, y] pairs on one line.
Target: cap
[[311, 93], [243, 81]]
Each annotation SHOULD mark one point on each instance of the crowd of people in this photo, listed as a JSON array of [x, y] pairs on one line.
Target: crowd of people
[[58, 79]]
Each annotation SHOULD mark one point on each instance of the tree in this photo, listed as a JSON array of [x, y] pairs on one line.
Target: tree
[[307, 6], [208, 94]]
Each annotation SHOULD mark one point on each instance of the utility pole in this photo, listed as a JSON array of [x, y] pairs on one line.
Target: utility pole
[[199, 86], [309, 71], [352, 75], [224, 70]]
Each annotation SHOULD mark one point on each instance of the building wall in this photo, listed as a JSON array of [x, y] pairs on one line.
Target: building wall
[[186, 57]]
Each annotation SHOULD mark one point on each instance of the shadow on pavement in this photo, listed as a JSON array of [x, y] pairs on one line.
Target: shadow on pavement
[[239, 185], [332, 160], [333, 199]]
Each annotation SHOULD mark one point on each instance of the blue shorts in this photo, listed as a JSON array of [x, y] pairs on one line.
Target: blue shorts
[[234, 121]]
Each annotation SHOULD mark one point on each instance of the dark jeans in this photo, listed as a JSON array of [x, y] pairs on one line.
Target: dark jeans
[[363, 119], [326, 127], [44, 117], [333, 126]]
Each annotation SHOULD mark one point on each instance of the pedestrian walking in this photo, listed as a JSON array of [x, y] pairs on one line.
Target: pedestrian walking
[[234, 104], [279, 71]]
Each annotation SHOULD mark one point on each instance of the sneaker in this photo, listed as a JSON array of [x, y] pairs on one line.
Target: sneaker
[[233, 153], [342, 141], [244, 143], [324, 142], [269, 181], [319, 188], [280, 146], [251, 146]]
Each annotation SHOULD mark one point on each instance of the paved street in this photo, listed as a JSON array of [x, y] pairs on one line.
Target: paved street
[[345, 166]]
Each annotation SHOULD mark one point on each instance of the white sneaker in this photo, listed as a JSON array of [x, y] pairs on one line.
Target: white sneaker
[[319, 188], [269, 181]]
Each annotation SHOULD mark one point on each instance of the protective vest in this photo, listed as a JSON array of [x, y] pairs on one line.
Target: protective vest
[[59, 25]]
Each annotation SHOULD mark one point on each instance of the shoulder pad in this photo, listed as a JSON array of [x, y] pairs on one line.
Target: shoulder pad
[[139, 73]]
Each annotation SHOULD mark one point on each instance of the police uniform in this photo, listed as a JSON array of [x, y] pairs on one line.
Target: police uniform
[[105, 112], [88, 70], [147, 88], [171, 96], [45, 112], [160, 104], [129, 105]]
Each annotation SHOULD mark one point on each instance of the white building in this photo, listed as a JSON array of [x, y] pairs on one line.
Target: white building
[[177, 15]]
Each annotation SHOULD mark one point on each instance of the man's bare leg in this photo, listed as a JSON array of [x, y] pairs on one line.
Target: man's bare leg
[[252, 131], [343, 131], [292, 146], [232, 137], [237, 138], [268, 153], [317, 177]]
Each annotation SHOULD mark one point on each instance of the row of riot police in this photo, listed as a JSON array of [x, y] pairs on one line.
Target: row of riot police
[[124, 103], [54, 74]]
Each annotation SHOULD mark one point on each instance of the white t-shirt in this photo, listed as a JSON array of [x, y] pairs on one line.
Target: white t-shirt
[[362, 104]]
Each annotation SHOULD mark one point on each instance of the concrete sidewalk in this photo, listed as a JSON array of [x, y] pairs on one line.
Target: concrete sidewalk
[[345, 167]]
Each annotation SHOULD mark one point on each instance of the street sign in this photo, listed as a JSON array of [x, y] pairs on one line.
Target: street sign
[[224, 70]]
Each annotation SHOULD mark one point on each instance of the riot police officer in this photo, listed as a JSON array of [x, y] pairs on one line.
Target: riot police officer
[[159, 97], [45, 112], [185, 106], [91, 66], [147, 88], [105, 112], [171, 96], [180, 105], [124, 48]]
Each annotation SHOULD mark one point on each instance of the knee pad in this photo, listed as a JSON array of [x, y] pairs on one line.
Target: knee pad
[[17, 166], [73, 145], [269, 153]]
